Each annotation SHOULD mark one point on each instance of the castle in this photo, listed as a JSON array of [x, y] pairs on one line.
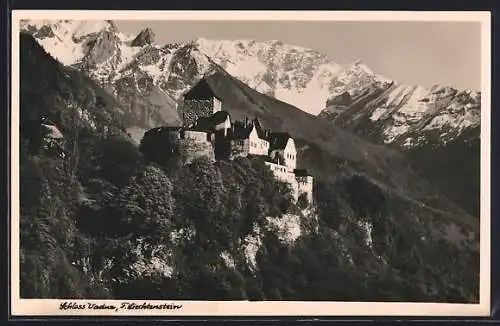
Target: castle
[[215, 135]]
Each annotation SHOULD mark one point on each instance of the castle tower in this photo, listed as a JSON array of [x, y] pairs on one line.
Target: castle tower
[[200, 101]]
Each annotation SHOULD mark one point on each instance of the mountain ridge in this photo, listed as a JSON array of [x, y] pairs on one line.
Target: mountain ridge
[[302, 77]]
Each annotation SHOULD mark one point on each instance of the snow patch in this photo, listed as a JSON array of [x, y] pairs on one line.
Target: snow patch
[[458, 123], [87, 27], [394, 131], [378, 113], [66, 52], [251, 68], [153, 71]]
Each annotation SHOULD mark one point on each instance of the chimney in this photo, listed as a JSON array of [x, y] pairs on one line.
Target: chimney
[[246, 121]]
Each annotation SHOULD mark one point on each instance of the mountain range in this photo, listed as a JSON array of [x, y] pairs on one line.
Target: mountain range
[[352, 96]]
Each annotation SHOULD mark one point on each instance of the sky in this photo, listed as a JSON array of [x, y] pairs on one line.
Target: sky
[[417, 53]]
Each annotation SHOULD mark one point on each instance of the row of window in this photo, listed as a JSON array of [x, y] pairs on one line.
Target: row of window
[[255, 145], [290, 156], [282, 169]]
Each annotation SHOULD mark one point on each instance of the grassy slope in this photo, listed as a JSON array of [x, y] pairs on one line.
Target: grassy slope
[[454, 169]]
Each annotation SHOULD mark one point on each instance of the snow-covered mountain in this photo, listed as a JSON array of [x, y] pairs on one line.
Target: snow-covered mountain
[[149, 78], [145, 77], [352, 95], [407, 116], [299, 76]]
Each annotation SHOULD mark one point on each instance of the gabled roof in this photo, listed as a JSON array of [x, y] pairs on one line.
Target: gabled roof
[[240, 131], [201, 90], [278, 140], [260, 129]]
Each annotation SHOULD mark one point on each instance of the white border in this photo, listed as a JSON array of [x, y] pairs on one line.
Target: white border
[[31, 307]]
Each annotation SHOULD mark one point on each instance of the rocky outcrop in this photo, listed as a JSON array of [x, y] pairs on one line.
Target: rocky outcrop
[[100, 48], [145, 37]]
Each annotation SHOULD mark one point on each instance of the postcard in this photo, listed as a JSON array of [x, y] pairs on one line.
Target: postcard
[[250, 163]]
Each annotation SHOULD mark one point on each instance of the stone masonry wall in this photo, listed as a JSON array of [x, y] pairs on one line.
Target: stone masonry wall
[[191, 148], [191, 110], [305, 185]]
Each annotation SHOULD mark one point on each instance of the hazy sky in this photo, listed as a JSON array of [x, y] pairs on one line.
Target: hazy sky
[[423, 53]]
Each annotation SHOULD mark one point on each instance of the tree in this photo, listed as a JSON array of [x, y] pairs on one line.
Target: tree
[[146, 203], [302, 201]]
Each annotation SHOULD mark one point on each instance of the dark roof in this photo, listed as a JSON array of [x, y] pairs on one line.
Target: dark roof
[[276, 159], [198, 129], [301, 172], [240, 131], [260, 129], [208, 123], [201, 90], [219, 117], [203, 124], [278, 140]]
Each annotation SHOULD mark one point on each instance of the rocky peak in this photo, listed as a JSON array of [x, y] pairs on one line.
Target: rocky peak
[[341, 99], [145, 37]]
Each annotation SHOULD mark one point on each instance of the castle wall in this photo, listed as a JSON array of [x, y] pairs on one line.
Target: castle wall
[[217, 105], [173, 137], [195, 144], [298, 184], [282, 173], [197, 136], [290, 155], [305, 185], [240, 147]]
